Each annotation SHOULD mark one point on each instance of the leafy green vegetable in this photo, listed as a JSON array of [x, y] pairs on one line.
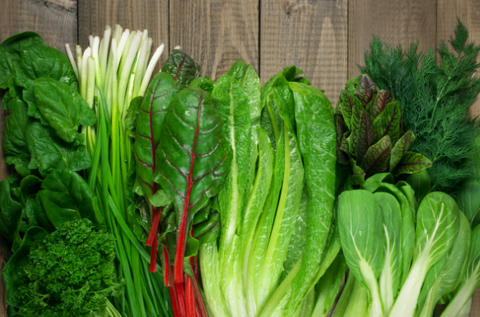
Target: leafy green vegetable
[[181, 67], [193, 157], [10, 210], [66, 197], [362, 237], [369, 133], [70, 270], [435, 99]]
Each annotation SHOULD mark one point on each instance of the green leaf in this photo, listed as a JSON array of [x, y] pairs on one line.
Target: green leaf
[[237, 70], [400, 148], [421, 185], [159, 199], [151, 115], [389, 121], [363, 135], [181, 67], [382, 98], [341, 145], [373, 182], [208, 230], [390, 278], [412, 163], [362, 238], [66, 197], [13, 273], [192, 159], [15, 146], [132, 113], [10, 52], [377, 157], [314, 117], [50, 152], [468, 200], [63, 108], [204, 83], [358, 174], [10, 210]]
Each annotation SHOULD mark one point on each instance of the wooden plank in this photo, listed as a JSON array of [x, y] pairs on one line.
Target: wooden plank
[[216, 33], [56, 22], [395, 22], [310, 34], [468, 11], [94, 15]]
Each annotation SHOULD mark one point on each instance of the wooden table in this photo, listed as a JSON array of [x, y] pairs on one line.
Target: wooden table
[[325, 38]]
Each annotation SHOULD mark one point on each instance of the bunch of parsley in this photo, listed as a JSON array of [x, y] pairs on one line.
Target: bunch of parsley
[[435, 100], [70, 273]]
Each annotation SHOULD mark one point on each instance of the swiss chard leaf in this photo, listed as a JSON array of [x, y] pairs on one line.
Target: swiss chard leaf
[[148, 125], [15, 145], [181, 67], [209, 230], [132, 113], [50, 152], [63, 108], [66, 197], [10, 210], [192, 159]]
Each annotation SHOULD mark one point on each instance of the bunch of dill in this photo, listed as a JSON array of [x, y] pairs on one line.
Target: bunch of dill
[[435, 99]]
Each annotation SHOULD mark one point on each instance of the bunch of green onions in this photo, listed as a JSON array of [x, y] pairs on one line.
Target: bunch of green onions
[[111, 72]]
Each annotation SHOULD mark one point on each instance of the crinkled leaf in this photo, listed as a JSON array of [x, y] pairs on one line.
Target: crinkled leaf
[[66, 197], [192, 159], [50, 152], [10, 52], [15, 146], [29, 186], [400, 148], [148, 126], [237, 70], [208, 230], [377, 157], [363, 135], [181, 67], [314, 117], [389, 121], [29, 98], [412, 163], [63, 108], [283, 97], [382, 98]]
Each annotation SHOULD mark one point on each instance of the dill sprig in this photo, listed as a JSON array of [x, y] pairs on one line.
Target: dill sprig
[[435, 101]]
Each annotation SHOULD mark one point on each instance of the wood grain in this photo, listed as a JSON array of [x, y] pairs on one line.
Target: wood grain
[[310, 34], [468, 11], [216, 33], [95, 15], [54, 20], [396, 22]]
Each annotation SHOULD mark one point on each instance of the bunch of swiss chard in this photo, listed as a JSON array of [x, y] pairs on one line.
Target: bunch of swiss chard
[[278, 236], [43, 142], [182, 156]]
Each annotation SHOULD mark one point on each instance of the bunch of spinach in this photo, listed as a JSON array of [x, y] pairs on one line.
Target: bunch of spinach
[[278, 235]]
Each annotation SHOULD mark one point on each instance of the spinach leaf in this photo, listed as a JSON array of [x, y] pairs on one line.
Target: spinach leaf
[[10, 55], [15, 145], [50, 152], [66, 197], [10, 209], [204, 83], [13, 273], [64, 109]]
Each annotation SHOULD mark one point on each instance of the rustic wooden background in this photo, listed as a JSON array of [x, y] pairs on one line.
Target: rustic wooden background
[[325, 38]]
